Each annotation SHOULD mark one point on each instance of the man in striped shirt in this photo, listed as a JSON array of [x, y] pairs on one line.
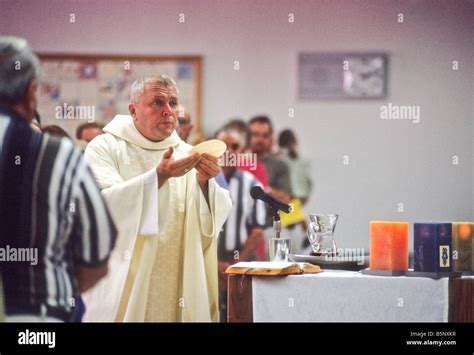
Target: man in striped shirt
[[243, 230], [56, 233]]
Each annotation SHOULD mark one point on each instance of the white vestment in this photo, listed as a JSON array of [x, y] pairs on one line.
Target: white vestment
[[164, 274]]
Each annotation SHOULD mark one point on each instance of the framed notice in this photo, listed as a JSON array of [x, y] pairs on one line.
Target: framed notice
[[342, 75], [75, 89]]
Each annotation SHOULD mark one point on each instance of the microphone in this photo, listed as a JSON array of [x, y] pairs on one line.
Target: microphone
[[257, 193]]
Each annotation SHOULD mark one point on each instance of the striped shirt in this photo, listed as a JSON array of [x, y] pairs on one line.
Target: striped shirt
[[50, 206], [246, 214]]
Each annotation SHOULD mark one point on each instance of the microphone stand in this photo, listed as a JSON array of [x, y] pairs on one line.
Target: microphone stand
[[276, 220]]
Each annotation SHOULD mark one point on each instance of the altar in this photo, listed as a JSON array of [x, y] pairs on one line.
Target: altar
[[349, 296]]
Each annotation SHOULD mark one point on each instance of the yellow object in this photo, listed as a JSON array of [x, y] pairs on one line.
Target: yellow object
[[295, 216]]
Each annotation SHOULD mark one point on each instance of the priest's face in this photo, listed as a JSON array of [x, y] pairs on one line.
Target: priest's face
[[156, 111]]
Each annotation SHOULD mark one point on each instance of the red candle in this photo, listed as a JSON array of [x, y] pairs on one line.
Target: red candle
[[389, 245]]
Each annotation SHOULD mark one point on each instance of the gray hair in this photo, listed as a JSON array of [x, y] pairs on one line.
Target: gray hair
[[232, 132], [18, 66], [138, 86]]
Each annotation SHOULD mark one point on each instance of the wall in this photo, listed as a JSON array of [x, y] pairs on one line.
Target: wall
[[390, 162]]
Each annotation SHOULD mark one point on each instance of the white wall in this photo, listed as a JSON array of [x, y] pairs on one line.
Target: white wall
[[391, 162]]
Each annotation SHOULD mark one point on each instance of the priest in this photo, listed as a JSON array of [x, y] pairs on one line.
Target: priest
[[168, 210]]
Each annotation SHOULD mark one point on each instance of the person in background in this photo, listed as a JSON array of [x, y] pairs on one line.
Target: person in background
[[261, 143], [243, 230], [50, 204], [301, 182], [240, 125], [279, 186], [185, 125], [36, 123], [55, 130], [88, 131], [2, 307], [259, 170]]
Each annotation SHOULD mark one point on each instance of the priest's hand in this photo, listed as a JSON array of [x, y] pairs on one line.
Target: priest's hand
[[207, 168], [169, 167]]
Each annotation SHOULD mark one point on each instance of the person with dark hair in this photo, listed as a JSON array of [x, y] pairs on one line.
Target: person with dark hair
[[55, 130], [243, 231], [262, 119], [185, 125], [301, 186], [35, 123], [51, 209], [301, 183], [88, 131], [287, 141], [258, 169], [278, 185], [241, 126], [261, 143]]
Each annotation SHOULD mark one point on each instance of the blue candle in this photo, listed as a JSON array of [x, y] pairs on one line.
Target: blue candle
[[433, 246]]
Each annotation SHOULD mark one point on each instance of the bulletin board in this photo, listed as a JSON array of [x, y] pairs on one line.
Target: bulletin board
[[342, 76], [75, 89]]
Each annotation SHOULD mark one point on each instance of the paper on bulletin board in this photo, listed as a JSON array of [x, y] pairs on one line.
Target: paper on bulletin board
[[69, 92], [68, 80], [88, 90], [186, 90], [51, 71], [70, 70], [165, 68], [109, 69]]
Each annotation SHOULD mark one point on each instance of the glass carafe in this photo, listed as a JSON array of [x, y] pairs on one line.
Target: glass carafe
[[321, 233]]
